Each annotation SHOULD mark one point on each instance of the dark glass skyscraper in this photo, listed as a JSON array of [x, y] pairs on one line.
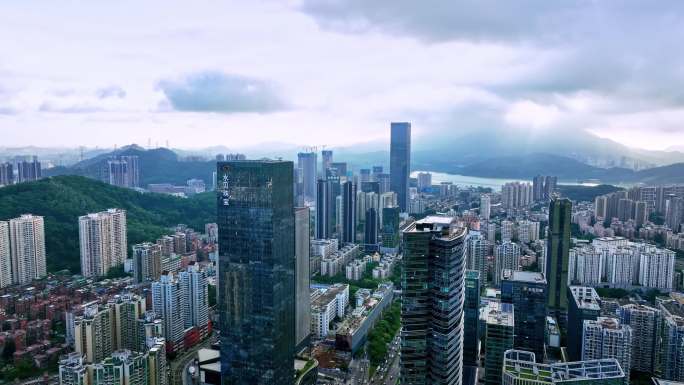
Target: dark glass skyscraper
[[256, 272], [324, 209], [307, 174], [390, 227], [348, 212], [526, 290], [371, 230], [471, 319], [400, 162], [557, 257], [432, 281]]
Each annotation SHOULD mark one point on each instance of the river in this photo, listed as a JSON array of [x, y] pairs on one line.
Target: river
[[493, 183]]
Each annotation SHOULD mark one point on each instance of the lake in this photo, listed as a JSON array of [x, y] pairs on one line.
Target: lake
[[493, 183]]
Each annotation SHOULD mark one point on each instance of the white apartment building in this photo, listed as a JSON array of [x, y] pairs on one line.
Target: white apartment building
[[27, 248], [103, 242]]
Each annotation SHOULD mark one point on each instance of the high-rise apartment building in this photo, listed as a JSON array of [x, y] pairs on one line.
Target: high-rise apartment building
[[93, 332], [645, 322], [471, 318], [147, 262], [195, 289], [324, 209], [499, 323], [585, 305], [6, 174], [326, 162], [477, 254], [515, 195], [28, 171], [302, 274], [349, 212], [123, 171], [506, 257], [27, 248], [400, 162], [557, 256], [5, 256], [257, 268], [432, 304], [424, 180], [127, 310], [656, 269], [608, 338], [170, 304], [485, 206], [103, 242], [526, 290], [672, 344]]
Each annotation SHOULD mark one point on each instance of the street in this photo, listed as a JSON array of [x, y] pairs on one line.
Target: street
[[179, 366], [388, 372]]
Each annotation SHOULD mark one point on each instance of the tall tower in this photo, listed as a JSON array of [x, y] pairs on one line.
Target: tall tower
[[471, 318], [400, 162], [557, 256], [103, 242], [432, 307], [326, 160], [526, 290], [5, 256], [256, 271], [348, 212], [27, 245], [307, 174], [324, 209], [303, 295]]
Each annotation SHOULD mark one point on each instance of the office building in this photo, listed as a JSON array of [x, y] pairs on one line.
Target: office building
[[27, 248], [169, 303], [147, 264], [371, 230], [338, 169], [499, 321], [326, 162], [324, 209], [103, 241], [526, 291], [302, 274], [432, 308], [585, 305], [471, 318], [538, 188], [306, 164], [645, 322], [390, 228], [607, 338], [400, 162], [349, 212], [5, 256], [557, 256], [520, 368], [257, 266]]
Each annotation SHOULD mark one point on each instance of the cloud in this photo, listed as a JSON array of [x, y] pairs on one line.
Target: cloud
[[213, 91], [69, 109], [7, 111], [111, 92]]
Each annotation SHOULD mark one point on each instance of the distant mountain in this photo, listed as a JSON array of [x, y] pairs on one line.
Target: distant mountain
[[158, 165], [62, 199], [567, 169]]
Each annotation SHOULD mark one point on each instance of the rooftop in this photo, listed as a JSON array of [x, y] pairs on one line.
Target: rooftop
[[586, 297], [520, 364], [523, 276], [497, 313]]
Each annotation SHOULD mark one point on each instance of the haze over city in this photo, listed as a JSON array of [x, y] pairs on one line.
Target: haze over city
[[335, 72]]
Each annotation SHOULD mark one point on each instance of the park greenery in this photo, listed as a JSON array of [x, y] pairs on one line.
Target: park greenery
[[382, 334], [62, 199]]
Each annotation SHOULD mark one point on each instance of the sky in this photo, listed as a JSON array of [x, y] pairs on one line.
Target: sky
[[332, 72]]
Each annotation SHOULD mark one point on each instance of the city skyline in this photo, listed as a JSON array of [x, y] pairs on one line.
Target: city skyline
[[414, 63]]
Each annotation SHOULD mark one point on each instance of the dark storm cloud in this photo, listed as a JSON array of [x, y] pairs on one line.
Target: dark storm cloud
[[212, 91]]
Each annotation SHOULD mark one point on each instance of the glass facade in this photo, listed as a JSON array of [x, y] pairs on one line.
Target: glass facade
[[557, 256], [471, 318], [256, 272], [400, 162], [527, 292], [432, 302]]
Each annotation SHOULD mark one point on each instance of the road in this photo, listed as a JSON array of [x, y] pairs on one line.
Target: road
[[179, 366], [388, 372]]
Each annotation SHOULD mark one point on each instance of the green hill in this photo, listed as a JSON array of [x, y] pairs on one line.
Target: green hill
[[62, 199]]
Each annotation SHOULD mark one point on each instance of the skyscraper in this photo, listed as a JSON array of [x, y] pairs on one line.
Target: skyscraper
[[28, 171], [485, 206], [400, 162], [5, 256], [324, 209], [499, 322], [123, 171], [103, 242], [527, 292], [432, 305], [257, 269], [147, 262], [390, 227], [93, 332], [195, 289], [557, 256], [6, 174], [348, 212], [645, 322], [326, 161], [607, 338], [371, 230], [471, 319], [303, 296], [306, 163], [27, 248], [169, 303]]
